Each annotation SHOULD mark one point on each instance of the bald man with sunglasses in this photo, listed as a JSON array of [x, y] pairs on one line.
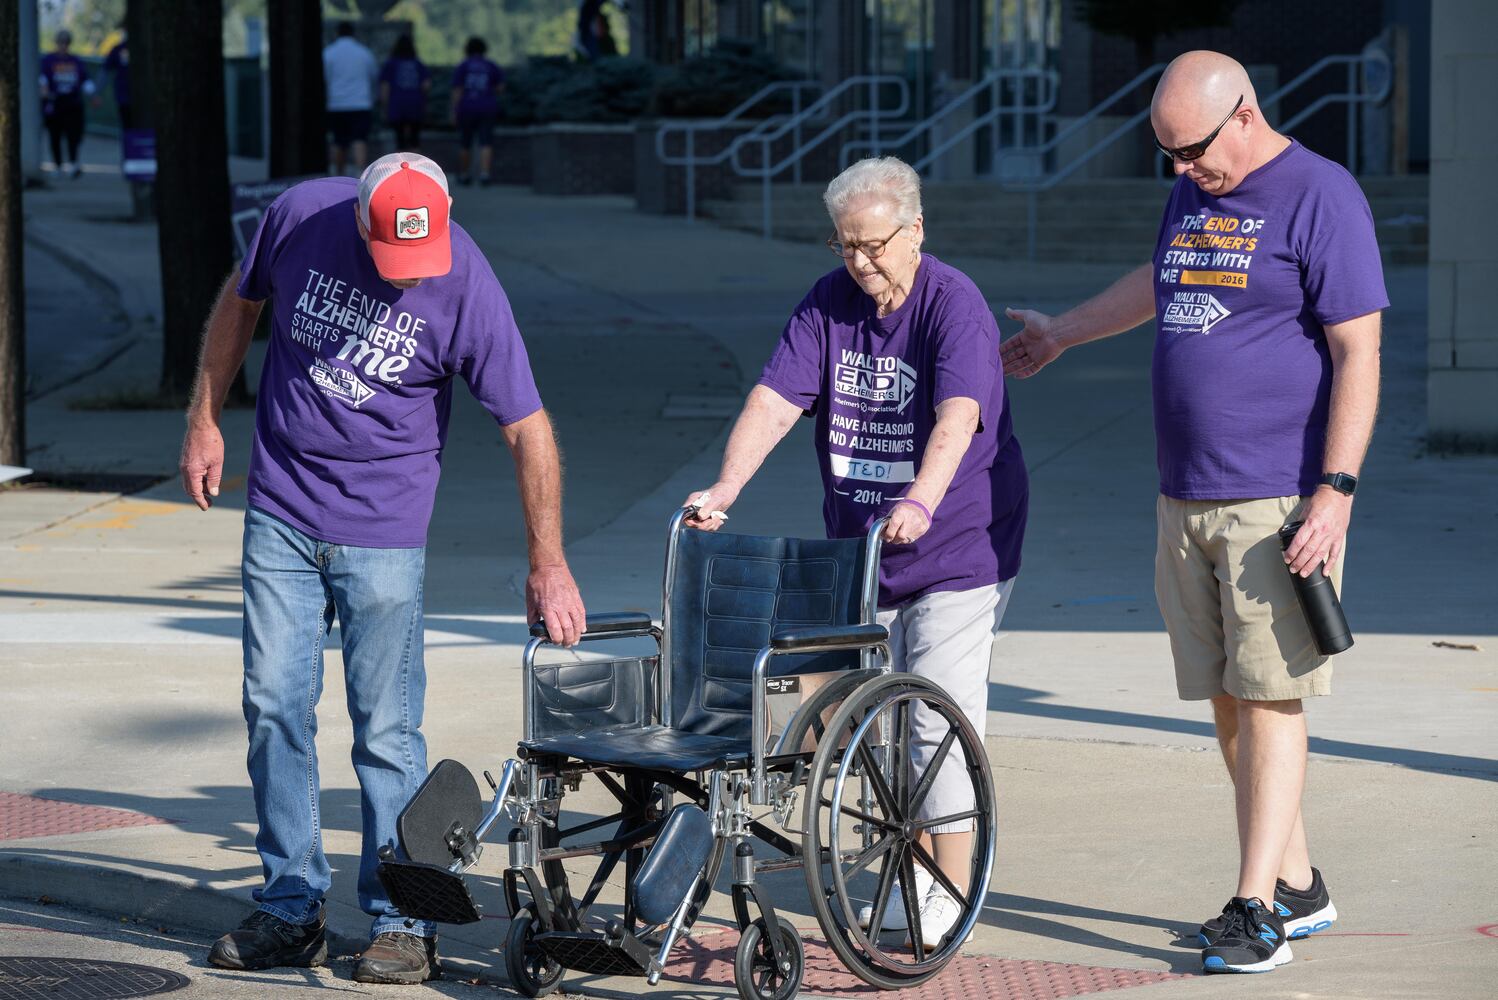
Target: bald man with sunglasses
[[1266, 289]]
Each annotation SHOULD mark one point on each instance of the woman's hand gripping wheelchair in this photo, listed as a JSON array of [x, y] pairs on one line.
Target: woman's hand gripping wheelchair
[[770, 697]]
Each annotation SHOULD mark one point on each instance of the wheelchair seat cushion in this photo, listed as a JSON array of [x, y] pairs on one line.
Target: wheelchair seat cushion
[[651, 747]]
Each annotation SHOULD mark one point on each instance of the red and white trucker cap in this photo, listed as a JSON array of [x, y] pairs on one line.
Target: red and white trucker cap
[[403, 202]]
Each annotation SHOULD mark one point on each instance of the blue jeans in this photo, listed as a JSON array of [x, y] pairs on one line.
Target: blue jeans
[[293, 586]]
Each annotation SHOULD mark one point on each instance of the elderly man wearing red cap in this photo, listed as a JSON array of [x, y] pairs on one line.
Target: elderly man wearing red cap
[[378, 303]]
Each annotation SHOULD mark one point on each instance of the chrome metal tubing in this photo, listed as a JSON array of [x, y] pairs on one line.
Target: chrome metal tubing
[[658, 964], [663, 689], [758, 782]]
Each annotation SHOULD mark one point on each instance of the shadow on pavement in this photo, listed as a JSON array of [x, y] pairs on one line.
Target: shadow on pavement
[[1022, 701]]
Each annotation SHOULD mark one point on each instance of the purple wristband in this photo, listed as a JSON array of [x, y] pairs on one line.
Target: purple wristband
[[924, 509]]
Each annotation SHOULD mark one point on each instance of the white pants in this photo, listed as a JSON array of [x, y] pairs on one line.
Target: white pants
[[948, 638]]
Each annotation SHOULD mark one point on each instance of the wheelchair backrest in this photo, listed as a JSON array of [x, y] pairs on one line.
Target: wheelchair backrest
[[726, 594]]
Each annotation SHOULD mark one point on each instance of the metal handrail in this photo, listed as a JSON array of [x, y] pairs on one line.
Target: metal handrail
[[820, 105], [767, 170], [990, 81], [689, 129], [993, 114], [1352, 97], [1070, 130]]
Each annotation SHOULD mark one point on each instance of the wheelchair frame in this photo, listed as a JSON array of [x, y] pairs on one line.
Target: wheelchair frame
[[549, 933]]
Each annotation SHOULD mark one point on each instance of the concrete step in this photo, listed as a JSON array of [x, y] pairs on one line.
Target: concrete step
[[1119, 190], [1086, 241]]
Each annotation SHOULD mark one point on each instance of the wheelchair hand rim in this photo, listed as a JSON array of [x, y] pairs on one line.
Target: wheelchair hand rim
[[910, 688]]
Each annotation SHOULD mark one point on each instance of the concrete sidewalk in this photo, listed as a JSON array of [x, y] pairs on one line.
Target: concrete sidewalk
[[119, 619]]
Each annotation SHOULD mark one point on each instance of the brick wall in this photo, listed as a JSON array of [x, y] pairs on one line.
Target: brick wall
[[583, 159]]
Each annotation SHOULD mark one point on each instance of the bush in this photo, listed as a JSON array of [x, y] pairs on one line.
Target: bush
[[612, 89], [618, 88], [716, 83]]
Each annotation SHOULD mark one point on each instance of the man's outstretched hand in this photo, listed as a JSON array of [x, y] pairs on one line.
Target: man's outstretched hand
[[1034, 347]]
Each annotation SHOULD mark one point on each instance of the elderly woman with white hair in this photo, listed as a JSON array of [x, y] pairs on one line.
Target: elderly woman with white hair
[[895, 355]]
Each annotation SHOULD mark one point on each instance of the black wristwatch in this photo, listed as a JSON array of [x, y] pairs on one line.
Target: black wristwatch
[[1341, 482]]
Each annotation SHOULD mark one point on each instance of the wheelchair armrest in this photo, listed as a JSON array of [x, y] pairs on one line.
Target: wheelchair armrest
[[811, 640], [601, 625]]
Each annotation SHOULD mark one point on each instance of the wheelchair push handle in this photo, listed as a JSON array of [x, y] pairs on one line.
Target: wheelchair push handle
[[601, 625]]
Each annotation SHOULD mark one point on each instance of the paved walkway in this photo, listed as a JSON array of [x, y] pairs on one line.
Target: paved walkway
[[119, 614]]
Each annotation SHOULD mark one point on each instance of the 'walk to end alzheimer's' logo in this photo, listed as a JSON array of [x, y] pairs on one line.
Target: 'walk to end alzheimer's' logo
[[1195, 312], [340, 383], [884, 379], [411, 223]]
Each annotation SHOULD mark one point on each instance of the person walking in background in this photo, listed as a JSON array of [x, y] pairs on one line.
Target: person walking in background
[[349, 72], [117, 65], [595, 38], [1265, 387], [64, 81], [404, 82], [477, 84]]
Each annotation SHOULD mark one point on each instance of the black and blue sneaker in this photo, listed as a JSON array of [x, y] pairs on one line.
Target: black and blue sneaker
[[1252, 939], [1304, 911]]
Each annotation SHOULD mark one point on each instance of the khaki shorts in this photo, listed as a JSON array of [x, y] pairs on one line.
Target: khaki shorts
[[1229, 606]]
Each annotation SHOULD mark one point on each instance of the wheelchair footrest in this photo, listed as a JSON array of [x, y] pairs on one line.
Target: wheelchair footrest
[[600, 954], [427, 892]]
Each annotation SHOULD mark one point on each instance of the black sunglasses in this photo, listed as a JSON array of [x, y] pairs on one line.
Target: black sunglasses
[[1196, 150]]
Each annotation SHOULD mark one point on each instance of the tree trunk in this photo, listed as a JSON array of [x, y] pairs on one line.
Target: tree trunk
[[192, 177], [298, 144], [12, 292]]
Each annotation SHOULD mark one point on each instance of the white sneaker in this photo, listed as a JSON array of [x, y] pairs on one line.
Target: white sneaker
[[894, 911], [939, 915]]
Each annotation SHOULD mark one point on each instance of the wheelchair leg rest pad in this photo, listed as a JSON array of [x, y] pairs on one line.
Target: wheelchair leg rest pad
[[671, 868], [449, 796], [427, 892]]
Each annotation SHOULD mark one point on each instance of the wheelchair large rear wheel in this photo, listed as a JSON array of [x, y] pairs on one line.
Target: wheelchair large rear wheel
[[865, 817]]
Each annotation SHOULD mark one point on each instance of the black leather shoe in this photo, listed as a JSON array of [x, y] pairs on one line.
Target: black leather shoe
[[265, 941], [395, 957]]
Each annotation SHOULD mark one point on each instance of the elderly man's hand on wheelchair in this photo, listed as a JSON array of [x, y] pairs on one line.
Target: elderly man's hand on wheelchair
[[706, 508], [552, 596]]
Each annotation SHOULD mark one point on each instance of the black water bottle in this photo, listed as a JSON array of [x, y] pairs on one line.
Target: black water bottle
[[1318, 600]]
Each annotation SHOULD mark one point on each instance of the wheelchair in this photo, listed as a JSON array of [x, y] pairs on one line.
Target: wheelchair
[[769, 702]]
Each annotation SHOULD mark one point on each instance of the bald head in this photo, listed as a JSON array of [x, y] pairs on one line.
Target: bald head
[[1200, 91], [1197, 89]]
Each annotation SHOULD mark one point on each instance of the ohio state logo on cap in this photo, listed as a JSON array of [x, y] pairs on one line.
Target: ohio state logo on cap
[[411, 223]]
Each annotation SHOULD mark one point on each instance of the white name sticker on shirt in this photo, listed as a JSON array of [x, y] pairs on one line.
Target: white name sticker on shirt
[[848, 467], [411, 223]]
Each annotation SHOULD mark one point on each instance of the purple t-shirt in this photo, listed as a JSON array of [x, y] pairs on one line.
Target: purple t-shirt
[[405, 77], [873, 384], [1244, 285], [477, 78], [65, 77], [357, 384]]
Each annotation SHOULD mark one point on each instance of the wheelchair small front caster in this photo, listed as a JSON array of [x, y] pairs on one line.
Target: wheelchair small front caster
[[755, 973], [533, 973]]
